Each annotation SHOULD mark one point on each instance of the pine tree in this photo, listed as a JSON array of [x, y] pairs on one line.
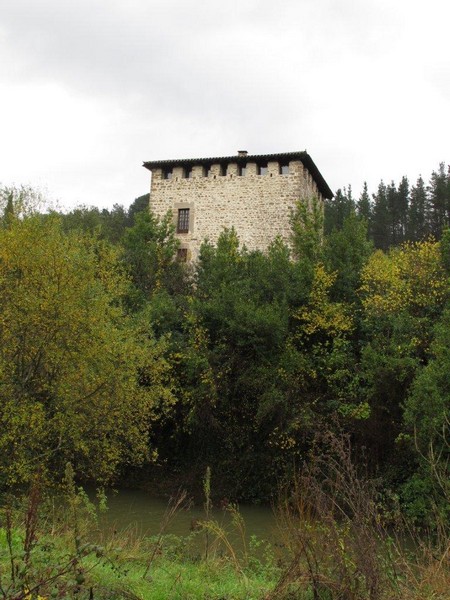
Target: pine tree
[[402, 209], [338, 209], [417, 228], [363, 206], [438, 208], [381, 220], [330, 213], [397, 202], [391, 196]]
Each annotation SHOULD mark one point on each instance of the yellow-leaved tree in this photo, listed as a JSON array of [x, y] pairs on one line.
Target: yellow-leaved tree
[[403, 294], [410, 278], [71, 362]]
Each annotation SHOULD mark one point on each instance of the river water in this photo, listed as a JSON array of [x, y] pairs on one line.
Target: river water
[[137, 509]]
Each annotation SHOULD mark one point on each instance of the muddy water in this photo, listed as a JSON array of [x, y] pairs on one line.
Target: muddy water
[[139, 510]]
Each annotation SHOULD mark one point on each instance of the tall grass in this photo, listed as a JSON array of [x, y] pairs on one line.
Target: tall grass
[[63, 554], [336, 543], [342, 547]]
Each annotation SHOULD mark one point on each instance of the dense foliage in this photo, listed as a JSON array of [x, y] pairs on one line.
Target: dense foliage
[[70, 356], [396, 213], [113, 352]]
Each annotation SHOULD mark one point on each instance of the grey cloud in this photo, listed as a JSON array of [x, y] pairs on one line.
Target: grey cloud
[[178, 55], [190, 77]]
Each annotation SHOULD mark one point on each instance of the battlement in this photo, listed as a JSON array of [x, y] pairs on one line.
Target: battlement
[[253, 193]]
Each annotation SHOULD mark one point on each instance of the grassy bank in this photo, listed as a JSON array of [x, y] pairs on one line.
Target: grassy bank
[[174, 568], [148, 569], [338, 540], [66, 552], [319, 560]]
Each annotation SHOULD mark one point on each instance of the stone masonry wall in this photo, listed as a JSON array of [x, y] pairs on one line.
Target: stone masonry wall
[[258, 206]]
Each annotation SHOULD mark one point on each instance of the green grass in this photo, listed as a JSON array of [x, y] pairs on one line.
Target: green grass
[[176, 570], [180, 581]]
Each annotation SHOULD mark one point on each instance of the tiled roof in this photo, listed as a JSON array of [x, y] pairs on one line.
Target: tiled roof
[[243, 159]]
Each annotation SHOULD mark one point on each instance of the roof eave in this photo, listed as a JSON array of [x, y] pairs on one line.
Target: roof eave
[[301, 155]]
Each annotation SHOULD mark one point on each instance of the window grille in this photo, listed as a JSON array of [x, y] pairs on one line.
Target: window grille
[[183, 220]]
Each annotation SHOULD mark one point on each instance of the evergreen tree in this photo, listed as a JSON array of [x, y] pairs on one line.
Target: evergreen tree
[[391, 196], [381, 220], [149, 248], [338, 209], [109, 224], [114, 223], [141, 203], [397, 203], [439, 201], [307, 224], [417, 228], [445, 250], [350, 205], [330, 212], [346, 252], [363, 206], [402, 205], [426, 418]]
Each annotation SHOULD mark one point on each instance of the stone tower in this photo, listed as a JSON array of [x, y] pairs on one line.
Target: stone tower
[[253, 193]]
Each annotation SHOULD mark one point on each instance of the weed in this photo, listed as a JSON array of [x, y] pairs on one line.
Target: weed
[[339, 545]]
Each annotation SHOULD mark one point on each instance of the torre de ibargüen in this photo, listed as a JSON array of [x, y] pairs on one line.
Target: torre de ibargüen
[[255, 194]]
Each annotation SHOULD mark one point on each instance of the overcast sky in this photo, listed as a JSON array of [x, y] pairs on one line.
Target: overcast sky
[[89, 89]]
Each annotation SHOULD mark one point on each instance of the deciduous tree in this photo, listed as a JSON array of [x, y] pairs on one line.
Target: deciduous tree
[[70, 360]]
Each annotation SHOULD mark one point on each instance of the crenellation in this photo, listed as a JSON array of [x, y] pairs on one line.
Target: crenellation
[[255, 194], [273, 168], [252, 169], [232, 169], [215, 170], [178, 173], [198, 171]]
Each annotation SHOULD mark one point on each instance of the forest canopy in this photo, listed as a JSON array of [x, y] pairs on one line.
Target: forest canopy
[[113, 354]]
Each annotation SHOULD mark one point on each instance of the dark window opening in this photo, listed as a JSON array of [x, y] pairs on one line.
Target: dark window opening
[[167, 174], [222, 170], [242, 171], [182, 255], [262, 169], [285, 169], [183, 220]]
